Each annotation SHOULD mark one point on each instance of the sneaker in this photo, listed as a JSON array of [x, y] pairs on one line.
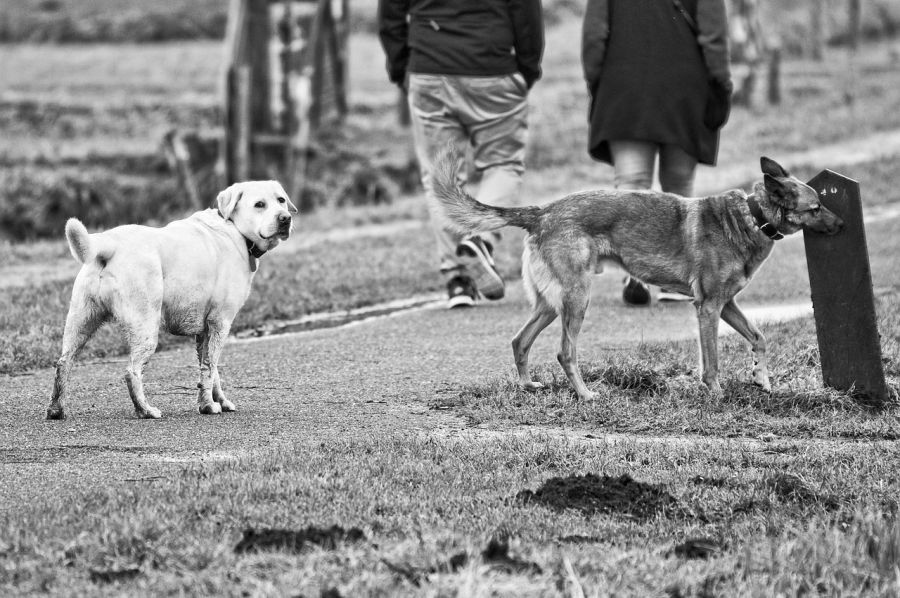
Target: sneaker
[[635, 292], [665, 295], [461, 292], [487, 279]]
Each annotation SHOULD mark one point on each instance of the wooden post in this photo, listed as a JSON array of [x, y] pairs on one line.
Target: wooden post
[[259, 32], [816, 30], [337, 44], [242, 130], [317, 42], [843, 302], [854, 23], [774, 87]]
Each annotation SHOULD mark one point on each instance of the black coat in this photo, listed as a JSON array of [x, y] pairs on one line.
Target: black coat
[[462, 37], [648, 74]]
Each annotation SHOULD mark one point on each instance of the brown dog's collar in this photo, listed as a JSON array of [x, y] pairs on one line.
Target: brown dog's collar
[[761, 222], [253, 249]]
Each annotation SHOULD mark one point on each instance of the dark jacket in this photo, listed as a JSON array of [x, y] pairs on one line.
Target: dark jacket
[[647, 73], [462, 37]]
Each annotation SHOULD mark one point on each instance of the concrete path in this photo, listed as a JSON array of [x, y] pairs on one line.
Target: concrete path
[[332, 383], [345, 382]]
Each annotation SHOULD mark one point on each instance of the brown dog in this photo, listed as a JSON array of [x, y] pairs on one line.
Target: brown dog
[[708, 248]]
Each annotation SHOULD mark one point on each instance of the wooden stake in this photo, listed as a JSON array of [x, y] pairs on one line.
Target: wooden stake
[[843, 302]]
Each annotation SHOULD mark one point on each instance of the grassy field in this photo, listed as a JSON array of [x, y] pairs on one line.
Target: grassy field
[[626, 518], [82, 125], [654, 489]]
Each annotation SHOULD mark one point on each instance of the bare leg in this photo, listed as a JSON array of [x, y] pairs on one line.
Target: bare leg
[[575, 305], [735, 318], [540, 318], [81, 324], [708, 317]]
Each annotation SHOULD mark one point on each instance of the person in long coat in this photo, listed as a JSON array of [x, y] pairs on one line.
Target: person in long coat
[[650, 66]]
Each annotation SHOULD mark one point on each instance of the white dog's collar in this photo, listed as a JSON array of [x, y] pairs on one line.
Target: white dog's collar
[[253, 249]]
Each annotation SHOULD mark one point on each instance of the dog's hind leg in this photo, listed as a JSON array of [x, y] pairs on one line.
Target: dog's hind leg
[[541, 317], [142, 339], [735, 318], [574, 306], [82, 321], [708, 313]]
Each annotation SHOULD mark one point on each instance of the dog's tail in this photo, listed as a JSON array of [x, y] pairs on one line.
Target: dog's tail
[[79, 241], [464, 213]]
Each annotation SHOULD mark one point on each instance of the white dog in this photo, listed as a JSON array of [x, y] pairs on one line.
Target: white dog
[[191, 276]]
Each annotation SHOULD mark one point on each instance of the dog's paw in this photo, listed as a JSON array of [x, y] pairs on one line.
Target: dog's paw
[[227, 406], [150, 413], [209, 408], [56, 413], [716, 392], [762, 381], [532, 385]]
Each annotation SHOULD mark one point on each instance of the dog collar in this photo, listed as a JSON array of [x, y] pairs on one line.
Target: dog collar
[[253, 249], [761, 222]]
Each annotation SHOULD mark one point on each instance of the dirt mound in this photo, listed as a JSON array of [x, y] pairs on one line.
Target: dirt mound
[[296, 540], [592, 494]]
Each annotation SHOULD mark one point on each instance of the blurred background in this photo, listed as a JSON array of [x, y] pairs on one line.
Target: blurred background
[[123, 110]]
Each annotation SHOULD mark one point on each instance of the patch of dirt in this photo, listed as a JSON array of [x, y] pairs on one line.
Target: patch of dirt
[[297, 540], [496, 556], [114, 575], [592, 494], [699, 548]]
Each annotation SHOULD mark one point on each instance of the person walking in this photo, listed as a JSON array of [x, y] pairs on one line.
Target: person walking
[[659, 81], [467, 67]]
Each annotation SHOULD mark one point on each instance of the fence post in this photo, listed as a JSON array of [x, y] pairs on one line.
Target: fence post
[[841, 284]]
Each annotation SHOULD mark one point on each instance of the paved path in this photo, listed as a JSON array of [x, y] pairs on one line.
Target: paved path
[[341, 382]]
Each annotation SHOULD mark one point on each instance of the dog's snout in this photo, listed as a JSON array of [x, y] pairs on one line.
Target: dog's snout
[[838, 225], [284, 220]]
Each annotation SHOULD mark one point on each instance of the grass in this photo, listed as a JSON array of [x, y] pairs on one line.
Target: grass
[[782, 517], [657, 470], [97, 113], [350, 273], [655, 390]]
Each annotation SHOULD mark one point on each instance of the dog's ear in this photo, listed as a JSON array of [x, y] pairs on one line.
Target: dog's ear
[[227, 200], [779, 193], [282, 193], [772, 168]]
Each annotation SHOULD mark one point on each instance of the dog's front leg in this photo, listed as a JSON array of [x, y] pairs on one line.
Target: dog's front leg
[[205, 403], [735, 318], [708, 319]]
